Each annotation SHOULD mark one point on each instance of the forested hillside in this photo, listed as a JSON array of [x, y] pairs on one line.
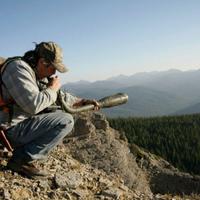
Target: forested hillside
[[177, 139]]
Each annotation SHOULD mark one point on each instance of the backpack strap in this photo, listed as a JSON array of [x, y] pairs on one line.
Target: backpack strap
[[4, 140], [6, 62]]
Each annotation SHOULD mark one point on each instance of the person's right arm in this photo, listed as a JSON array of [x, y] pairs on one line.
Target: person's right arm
[[21, 84]]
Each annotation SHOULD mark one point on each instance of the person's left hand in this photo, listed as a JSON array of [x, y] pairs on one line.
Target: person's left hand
[[84, 102]]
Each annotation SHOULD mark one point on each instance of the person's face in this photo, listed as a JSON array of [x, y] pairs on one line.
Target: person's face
[[44, 70]]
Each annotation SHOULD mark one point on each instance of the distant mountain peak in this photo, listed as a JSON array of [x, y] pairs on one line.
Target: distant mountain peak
[[81, 82], [120, 76]]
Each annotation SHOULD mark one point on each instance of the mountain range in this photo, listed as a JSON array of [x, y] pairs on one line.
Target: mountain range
[[170, 92]]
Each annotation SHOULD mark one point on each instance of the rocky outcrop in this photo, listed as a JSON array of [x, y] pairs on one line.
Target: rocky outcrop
[[163, 177], [96, 162], [69, 179], [103, 149], [107, 149]]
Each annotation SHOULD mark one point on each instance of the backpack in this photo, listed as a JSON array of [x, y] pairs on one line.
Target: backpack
[[2, 102], [6, 105]]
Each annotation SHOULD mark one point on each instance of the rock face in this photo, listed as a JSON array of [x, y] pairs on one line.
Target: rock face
[[96, 162], [163, 177], [103, 149]]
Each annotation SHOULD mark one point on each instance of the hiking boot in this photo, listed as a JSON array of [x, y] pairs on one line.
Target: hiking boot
[[26, 169]]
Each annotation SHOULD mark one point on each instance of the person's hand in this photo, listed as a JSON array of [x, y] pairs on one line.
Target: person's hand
[[54, 83], [84, 102]]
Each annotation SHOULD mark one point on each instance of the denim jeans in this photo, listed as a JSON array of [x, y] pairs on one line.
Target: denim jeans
[[36, 136]]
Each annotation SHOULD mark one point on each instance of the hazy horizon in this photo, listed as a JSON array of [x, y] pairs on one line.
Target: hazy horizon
[[127, 75]]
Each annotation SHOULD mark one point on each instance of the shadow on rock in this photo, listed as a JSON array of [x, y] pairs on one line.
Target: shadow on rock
[[166, 182]]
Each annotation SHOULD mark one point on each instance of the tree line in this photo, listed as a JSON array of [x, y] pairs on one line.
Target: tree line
[[175, 138]]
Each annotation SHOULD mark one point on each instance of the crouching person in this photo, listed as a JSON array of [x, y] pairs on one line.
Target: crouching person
[[27, 89]]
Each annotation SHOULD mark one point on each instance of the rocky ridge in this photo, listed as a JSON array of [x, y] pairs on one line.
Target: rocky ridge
[[96, 162]]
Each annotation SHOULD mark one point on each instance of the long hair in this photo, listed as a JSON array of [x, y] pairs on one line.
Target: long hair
[[31, 58]]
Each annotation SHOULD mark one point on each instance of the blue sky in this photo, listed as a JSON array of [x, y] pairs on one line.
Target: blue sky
[[104, 38]]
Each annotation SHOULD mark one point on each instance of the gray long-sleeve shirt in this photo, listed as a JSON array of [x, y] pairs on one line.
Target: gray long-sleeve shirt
[[20, 82]]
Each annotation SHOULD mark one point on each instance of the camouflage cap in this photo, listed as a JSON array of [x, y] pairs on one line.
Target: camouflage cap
[[52, 54]]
